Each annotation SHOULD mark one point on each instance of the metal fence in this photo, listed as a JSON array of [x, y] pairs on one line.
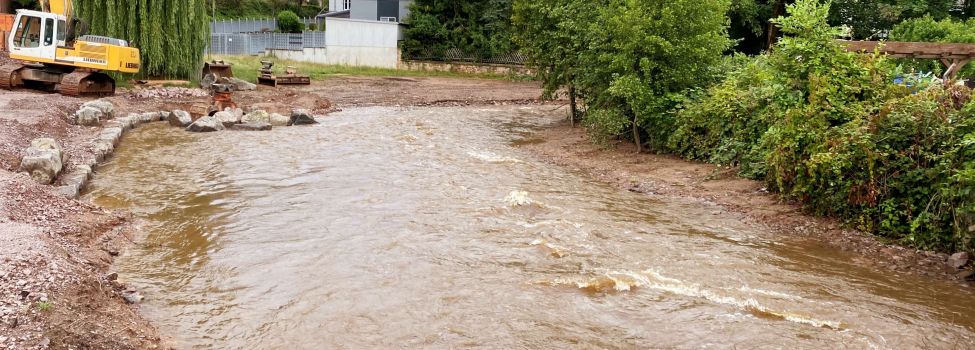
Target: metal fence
[[461, 56], [253, 25], [256, 43]]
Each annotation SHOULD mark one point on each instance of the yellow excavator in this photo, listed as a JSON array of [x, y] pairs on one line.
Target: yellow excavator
[[55, 54]]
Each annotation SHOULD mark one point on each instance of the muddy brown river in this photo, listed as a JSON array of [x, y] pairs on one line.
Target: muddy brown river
[[429, 228]]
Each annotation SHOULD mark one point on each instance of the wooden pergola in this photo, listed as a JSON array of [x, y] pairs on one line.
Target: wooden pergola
[[954, 56]]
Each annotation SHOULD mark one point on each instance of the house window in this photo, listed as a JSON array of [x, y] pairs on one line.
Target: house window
[[387, 19], [346, 4]]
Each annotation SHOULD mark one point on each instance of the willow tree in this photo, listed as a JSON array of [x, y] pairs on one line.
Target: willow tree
[[171, 34]]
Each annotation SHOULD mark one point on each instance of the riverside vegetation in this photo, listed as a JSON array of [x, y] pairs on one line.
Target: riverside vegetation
[[822, 126]]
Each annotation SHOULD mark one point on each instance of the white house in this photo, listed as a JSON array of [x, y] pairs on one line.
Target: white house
[[371, 10]]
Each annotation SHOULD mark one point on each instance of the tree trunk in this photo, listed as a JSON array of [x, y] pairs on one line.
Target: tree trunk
[[636, 136], [574, 114], [773, 30]]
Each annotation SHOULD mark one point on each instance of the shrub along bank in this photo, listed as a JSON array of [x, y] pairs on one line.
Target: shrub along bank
[[822, 126]]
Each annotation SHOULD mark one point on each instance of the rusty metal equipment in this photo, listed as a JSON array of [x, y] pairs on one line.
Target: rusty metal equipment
[[221, 98], [290, 77], [213, 71]]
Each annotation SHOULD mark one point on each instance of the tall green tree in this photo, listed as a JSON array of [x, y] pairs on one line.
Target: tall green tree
[[473, 26], [630, 60], [170, 34]]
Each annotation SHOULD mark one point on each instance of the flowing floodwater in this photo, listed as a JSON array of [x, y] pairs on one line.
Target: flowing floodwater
[[427, 228]]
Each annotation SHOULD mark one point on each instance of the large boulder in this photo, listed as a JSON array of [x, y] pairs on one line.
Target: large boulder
[[257, 116], [302, 117], [43, 160], [106, 107], [88, 116], [253, 126], [958, 260], [206, 124], [238, 84], [279, 120], [180, 118], [228, 118]]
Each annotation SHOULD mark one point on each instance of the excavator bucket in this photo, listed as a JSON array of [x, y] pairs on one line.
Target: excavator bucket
[[213, 71]]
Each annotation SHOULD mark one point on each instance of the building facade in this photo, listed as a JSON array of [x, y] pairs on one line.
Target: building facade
[[372, 10]]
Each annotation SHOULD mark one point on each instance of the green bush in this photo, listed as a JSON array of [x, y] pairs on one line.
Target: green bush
[[829, 129], [289, 22], [312, 27]]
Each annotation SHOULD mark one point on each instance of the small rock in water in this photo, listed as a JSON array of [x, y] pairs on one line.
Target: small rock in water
[[302, 117], [132, 297], [228, 118], [255, 126], [958, 260], [279, 120], [205, 124], [180, 118], [257, 116]]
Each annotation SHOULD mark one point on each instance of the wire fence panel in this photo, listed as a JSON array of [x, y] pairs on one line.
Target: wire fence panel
[[257, 43], [460, 56], [252, 25]]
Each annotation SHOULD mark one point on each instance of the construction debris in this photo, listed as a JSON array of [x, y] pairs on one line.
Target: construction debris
[[290, 77]]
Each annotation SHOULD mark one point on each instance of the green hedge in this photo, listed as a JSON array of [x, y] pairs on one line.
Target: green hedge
[[829, 129]]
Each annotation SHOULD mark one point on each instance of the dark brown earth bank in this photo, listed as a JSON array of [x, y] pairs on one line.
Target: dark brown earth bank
[[668, 176]]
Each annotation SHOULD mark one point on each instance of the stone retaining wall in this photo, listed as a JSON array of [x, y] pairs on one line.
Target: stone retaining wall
[[74, 182], [471, 68]]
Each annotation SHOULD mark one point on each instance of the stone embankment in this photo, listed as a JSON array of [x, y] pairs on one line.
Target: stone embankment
[[44, 159]]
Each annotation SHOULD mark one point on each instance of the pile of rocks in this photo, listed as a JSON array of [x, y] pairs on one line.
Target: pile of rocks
[[44, 160], [169, 93], [236, 119]]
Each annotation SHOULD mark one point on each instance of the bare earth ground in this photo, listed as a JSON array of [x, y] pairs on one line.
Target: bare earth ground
[[57, 289], [669, 176]]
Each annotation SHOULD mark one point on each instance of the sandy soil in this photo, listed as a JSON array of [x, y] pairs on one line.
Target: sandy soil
[[668, 176]]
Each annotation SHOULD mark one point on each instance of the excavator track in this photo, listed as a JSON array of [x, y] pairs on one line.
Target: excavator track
[[10, 75], [87, 84]]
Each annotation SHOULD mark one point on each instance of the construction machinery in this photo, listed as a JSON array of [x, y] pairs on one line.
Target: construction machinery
[[53, 53], [213, 71], [290, 77]]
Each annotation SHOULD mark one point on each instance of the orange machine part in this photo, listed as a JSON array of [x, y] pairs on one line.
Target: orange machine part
[[6, 25]]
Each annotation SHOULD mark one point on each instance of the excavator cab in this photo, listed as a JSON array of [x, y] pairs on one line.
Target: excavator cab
[[36, 34]]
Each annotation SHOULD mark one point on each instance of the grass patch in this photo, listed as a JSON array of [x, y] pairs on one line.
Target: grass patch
[[245, 67], [44, 306]]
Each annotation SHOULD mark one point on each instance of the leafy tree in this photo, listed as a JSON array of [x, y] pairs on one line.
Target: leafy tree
[[872, 19], [288, 22], [474, 26], [170, 34]]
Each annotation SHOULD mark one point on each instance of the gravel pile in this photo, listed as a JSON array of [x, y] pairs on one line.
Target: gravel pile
[[168, 92]]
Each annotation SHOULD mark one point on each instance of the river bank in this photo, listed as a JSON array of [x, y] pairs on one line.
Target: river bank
[[59, 289], [665, 176]]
